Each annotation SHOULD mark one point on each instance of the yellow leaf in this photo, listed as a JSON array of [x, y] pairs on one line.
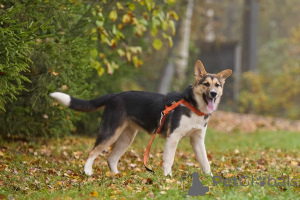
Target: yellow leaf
[[119, 6], [294, 163], [128, 56], [109, 174], [113, 15], [157, 44], [135, 61], [126, 19], [64, 87], [120, 26], [171, 2], [1, 153], [110, 71], [121, 52], [131, 6], [153, 31], [129, 188], [94, 194], [174, 15]]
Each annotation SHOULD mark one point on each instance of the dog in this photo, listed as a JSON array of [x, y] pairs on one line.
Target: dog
[[127, 112]]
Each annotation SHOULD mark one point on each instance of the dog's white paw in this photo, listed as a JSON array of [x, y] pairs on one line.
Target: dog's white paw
[[88, 171], [168, 172]]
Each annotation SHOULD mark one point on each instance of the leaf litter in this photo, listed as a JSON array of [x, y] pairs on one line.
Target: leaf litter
[[57, 165]]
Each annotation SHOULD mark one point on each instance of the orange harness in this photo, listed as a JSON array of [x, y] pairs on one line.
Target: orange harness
[[161, 123]]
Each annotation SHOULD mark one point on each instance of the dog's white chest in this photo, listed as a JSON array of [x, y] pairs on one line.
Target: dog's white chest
[[189, 125], [197, 122]]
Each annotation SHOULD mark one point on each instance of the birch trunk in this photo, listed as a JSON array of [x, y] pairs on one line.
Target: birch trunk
[[181, 59], [179, 54]]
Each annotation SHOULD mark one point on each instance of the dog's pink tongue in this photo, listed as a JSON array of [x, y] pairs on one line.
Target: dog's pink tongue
[[210, 106]]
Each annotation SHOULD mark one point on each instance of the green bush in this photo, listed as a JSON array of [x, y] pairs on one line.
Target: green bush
[[47, 63], [71, 46], [15, 46]]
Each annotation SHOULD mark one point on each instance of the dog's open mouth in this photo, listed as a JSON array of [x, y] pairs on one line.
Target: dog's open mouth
[[210, 103]]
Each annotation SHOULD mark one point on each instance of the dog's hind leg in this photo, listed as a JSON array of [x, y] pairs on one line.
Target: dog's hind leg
[[106, 137], [120, 147]]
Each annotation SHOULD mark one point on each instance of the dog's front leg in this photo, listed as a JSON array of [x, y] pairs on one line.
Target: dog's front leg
[[169, 153], [197, 142]]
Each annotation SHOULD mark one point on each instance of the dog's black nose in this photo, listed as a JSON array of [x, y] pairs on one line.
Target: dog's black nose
[[213, 94]]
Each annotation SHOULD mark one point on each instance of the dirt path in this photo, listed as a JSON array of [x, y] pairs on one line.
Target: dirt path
[[230, 122]]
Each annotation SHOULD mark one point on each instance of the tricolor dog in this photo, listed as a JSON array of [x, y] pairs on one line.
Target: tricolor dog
[[127, 112]]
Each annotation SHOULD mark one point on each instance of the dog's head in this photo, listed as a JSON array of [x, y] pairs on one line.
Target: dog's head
[[208, 88]]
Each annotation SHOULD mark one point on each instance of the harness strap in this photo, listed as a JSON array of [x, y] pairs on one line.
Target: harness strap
[[164, 114]]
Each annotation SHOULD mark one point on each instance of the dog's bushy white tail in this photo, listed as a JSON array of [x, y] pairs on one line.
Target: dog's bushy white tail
[[63, 98], [80, 104]]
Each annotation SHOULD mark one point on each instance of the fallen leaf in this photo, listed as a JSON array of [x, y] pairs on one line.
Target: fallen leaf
[[294, 163], [55, 73], [2, 196], [109, 174], [94, 194], [129, 188], [149, 181], [229, 175]]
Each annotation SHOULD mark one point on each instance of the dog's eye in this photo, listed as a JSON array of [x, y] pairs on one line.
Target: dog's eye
[[218, 85], [206, 84]]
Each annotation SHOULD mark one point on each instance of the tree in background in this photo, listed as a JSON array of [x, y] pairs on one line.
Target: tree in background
[[278, 58], [70, 46], [178, 61]]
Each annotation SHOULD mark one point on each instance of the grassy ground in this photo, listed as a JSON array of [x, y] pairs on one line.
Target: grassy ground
[[52, 169]]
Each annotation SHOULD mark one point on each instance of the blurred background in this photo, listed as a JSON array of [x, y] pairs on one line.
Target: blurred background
[[90, 48]]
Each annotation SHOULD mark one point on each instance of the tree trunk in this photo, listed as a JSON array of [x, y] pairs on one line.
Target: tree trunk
[[250, 31], [179, 54], [181, 59]]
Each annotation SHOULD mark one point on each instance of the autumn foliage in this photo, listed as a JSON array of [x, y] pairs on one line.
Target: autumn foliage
[[274, 89]]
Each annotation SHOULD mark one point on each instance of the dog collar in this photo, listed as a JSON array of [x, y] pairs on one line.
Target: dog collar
[[164, 114]]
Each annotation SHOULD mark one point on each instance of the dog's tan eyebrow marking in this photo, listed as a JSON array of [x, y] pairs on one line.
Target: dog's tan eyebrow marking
[[205, 81], [217, 82]]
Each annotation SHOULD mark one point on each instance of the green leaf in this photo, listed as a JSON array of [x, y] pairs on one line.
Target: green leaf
[[121, 52], [172, 25], [157, 44], [94, 53], [99, 23], [114, 29], [148, 4]]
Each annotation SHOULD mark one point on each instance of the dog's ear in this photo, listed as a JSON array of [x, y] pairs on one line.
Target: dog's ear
[[199, 70], [224, 74]]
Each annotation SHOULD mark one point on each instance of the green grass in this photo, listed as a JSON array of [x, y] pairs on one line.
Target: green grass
[[52, 169]]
